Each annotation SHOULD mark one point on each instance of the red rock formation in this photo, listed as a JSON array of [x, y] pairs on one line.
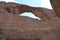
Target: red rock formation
[[17, 27], [20, 8], [56, 6]]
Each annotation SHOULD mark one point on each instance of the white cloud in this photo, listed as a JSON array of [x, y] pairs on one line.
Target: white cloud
[[8, 0], [46, 4]]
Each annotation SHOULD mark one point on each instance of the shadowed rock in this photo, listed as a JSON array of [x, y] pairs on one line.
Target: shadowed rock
[[17, 27], [56, 6]]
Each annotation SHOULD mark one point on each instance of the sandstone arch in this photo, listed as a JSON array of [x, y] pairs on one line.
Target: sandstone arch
[[18, 9], [17, 27]]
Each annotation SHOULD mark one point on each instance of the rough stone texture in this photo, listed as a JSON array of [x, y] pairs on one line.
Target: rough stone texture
[[56, 6], [17, 27]]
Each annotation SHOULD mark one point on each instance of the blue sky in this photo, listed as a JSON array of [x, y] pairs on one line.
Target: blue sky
[[35, 3]]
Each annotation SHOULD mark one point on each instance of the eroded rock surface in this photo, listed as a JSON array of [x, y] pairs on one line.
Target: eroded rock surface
[[17, 27], [56, 6]]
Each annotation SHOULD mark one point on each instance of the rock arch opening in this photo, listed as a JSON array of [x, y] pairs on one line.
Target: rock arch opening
[[30, 14]]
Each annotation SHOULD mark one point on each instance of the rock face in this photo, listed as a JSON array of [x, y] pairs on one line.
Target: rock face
[[56, 6], [17, 27]]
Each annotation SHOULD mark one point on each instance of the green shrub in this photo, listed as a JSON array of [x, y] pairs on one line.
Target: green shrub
[[1, 35]]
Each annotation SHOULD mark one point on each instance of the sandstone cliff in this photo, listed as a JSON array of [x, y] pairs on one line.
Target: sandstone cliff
[[17, 27]]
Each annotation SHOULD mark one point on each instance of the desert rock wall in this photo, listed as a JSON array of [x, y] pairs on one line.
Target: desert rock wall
[[17, 27]]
